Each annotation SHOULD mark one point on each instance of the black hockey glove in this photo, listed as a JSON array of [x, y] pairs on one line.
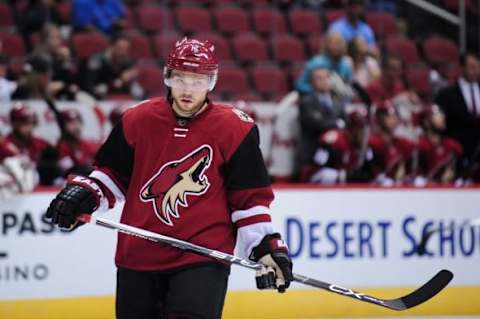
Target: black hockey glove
[[273, 253], [80, 195]]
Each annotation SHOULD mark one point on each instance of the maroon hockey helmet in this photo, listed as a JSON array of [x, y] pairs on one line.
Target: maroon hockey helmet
[[357, 118], [194, 56], [21, 113], [116, 114], [70, 115], [383, 109]]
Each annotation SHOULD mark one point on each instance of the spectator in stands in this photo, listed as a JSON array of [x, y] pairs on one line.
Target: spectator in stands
[[437, 154], [37, 14], [390, 83], [461, 105], [392, 156], [35, 83], [365, 67], [75, 154], [351, 26], [107, 16], [333, 58], [320, 110], [64, 74], [342, 154], [113, 71], [17, 171], [7, 87], [51, 39], [23, 121]]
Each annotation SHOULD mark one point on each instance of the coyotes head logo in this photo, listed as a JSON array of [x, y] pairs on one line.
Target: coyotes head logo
[[175, 181]]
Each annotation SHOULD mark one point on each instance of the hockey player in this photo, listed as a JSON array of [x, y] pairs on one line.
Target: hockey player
[[437, 154], [338, 156], [191, 169], [23, 121], [392, 156], [75, 154]]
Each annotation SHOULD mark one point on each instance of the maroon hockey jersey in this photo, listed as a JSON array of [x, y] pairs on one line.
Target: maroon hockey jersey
[[390, 155], [200, 180], [34, 147], [435, 158]]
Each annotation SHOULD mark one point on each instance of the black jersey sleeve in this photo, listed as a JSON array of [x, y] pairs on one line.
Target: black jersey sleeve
[[246, 168], [116, 156]]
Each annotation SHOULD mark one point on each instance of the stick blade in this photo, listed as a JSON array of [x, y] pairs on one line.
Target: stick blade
[[424, 293]]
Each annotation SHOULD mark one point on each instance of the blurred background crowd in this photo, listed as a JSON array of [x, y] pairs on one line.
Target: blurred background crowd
[[382, 91]]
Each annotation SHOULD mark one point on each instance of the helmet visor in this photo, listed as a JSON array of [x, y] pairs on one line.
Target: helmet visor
[[190, 81]]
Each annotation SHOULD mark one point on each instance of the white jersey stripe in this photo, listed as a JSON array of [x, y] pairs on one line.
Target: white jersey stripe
[[250, 236], [255, 210], [108, 182]]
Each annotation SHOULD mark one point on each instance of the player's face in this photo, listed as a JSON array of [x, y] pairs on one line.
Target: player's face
[[74, 128], [321, 80], [189, 91], [438, 121], [25, 129], [472, 69]]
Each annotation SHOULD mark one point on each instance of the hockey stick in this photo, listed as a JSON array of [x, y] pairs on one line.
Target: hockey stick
[[422, 294], [422, 246]]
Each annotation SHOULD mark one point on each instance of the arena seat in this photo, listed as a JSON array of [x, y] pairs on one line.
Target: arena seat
[[250, 48], [383, 23], [151, 79], [404, 48], [86, 44], [287, 49], [154, 19], [419, 80], [222, 47], [304, 22], [232, 80], [193, 19], [163, 43], [12, 44], [6, 18], [268, 21], [231, 20], [334, 15], [270, 80], [140, 45], [440, 50]]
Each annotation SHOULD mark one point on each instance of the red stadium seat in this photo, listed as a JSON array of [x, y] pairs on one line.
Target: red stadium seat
[[268, 21], [454, 5], [305, 22], [231, 20], [154, 19], [232, 80], [164, 43], [193, 19], [334, 15], [151, 79], [314, 44], [12, 44], [382, 23], [287, 49], [250, 48], [130, 18], [270, 81], [419, 80], [440, 50], [64, 9], [140, 46], [222, 48], [87, 44], [6, 18], [404, 48]]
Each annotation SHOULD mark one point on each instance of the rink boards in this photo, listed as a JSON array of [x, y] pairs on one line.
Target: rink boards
[[354, 237]]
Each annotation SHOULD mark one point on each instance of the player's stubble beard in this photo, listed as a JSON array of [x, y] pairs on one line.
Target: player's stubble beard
[[188, 109]]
